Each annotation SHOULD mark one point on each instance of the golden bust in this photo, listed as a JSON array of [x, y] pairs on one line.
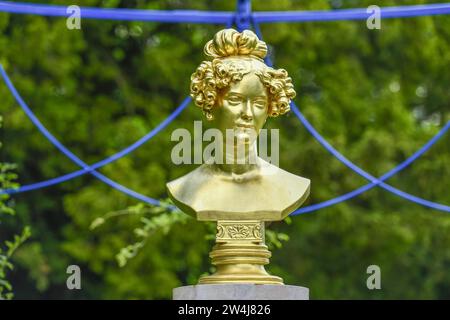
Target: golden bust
[[237, 91]]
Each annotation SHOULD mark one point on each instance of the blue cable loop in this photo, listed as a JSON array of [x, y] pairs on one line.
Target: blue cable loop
[[244, 13], [351, 14], [99, 164], [392, 172], [222, 17], [374, 181], [167, 16], [71, 155]]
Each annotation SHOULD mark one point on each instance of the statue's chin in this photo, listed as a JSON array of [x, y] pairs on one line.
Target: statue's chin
[[244, 145], [243, 138]]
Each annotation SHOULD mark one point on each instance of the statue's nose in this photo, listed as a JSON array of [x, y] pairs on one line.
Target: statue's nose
[[246, 116], [246, 112]]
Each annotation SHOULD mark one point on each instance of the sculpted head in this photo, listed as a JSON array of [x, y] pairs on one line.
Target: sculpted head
[[237, 90]]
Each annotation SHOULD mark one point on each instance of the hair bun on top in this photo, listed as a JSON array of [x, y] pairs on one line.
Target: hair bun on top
[[229, 42]]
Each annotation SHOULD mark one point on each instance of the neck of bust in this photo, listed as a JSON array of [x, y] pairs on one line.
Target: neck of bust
[[239, 159]]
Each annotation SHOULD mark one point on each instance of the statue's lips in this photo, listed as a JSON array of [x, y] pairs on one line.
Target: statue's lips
[[246, 126]]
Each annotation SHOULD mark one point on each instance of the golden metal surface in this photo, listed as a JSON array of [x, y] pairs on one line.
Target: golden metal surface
[[240, 230], [240, 254], [237, 91]]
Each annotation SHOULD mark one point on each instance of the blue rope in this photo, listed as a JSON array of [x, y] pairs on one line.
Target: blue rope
[[374, 181], [223, 17], [99, 164], [243, 14], [351, 14], [167, 16], [242, 19], [78, 161], [384, 177]]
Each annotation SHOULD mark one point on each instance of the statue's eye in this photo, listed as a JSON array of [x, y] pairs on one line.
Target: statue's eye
[[260, 103], [234, 99]]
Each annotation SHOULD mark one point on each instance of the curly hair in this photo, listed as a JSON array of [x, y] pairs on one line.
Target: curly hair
[[234, 55]]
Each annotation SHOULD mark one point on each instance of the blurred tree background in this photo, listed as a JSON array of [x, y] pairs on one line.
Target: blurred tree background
[[376, 95]]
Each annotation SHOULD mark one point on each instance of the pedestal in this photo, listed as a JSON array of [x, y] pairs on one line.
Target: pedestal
[[240, 254], [241, 292]]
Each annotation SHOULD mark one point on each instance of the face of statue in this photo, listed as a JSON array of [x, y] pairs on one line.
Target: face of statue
[[243, 108]]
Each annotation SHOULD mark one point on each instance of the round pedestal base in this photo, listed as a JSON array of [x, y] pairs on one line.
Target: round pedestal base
[[240, 292], [242, 278], [240, 262]]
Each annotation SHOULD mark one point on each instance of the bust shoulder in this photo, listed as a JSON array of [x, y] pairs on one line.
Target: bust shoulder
[[208, 193]]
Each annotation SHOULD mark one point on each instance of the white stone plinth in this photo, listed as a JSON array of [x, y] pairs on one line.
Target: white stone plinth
[[241, 292]]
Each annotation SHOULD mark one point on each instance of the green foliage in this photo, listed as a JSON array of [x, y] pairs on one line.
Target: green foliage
[[7, 178], [153, 219], [376, 95], [161, 219], [5, 264]]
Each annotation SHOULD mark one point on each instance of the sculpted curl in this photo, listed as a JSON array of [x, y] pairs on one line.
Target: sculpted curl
[[234, 55]]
